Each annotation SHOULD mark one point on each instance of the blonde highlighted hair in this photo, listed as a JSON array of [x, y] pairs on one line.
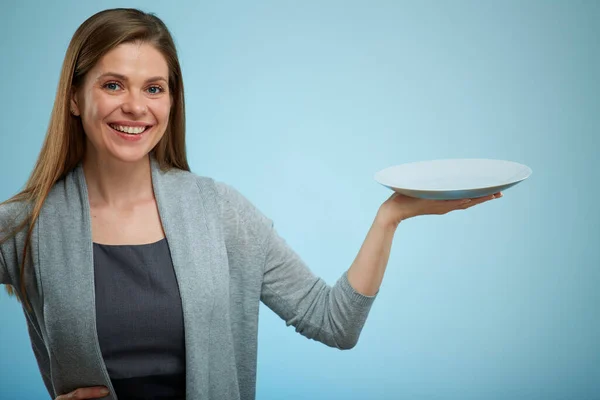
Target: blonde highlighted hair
[[65, 143]]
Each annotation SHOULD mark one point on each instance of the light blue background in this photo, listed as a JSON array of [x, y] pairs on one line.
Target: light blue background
[[298, 104]]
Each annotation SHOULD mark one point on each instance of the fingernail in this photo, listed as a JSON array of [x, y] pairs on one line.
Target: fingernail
[[104, 392], [465, 201]]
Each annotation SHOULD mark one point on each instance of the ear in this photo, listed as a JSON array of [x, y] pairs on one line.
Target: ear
[[74, 104]]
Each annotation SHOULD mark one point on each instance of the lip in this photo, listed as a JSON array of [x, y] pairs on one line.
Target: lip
[[131, 123], [130, 138]]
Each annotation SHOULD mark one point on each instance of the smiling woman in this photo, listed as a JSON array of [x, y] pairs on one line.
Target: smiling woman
[[124, 97], [139, 277]]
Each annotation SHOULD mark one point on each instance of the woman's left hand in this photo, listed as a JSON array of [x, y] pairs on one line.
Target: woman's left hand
[[400, 207]]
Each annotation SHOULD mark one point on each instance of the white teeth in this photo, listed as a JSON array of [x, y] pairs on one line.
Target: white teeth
[[132, 130]]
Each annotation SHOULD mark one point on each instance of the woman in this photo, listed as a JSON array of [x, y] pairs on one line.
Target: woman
[[140, 278]]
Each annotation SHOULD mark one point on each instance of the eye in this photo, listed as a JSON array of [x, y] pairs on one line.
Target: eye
[[112, 86], [155, 89]]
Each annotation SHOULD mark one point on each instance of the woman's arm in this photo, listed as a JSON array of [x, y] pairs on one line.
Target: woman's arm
[[333, 315], [366, 273]]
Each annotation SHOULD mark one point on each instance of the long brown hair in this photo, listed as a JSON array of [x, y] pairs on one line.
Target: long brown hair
[[64, 145]]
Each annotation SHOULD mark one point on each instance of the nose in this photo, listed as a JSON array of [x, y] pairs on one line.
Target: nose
[[134, 104]]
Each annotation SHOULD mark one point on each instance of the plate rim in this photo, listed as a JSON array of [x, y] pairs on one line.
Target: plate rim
[[527, 169]]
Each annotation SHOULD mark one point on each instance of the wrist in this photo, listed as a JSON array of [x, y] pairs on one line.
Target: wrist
[[385, 221]]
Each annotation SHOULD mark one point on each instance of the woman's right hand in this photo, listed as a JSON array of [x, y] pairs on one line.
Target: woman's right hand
[[94, 392]]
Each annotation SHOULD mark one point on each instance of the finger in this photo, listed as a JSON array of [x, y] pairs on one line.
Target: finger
[[481, 200], [95, 392]]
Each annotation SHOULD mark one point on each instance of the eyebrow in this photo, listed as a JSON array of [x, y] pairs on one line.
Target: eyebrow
[[124, 78]]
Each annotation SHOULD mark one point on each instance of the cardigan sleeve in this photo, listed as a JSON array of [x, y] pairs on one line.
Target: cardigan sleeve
[[3, 270], [4, 228], [11, 215], [333, 315]]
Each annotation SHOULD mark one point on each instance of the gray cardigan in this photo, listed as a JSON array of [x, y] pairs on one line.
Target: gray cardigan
[[227, 258]]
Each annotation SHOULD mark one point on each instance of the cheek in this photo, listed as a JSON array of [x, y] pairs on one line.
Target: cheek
[[161, 111], [164, 112], [99, 108]]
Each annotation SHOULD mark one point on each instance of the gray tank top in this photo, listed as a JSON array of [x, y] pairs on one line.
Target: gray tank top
[[140, 320]]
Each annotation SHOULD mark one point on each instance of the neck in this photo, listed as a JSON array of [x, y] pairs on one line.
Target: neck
[[116, 183]]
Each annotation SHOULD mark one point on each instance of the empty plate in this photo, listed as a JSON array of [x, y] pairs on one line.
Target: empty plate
[[453, 178]]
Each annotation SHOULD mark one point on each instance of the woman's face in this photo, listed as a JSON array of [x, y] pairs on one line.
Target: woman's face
[[124, 102]]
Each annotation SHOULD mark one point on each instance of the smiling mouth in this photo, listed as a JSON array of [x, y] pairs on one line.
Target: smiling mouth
[[130, 130]]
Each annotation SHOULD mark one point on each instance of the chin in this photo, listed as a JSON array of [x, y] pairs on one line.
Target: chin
[[129, 155], [114, 148]]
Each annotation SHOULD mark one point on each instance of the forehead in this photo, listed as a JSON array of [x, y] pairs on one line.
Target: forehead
[[134, 60]]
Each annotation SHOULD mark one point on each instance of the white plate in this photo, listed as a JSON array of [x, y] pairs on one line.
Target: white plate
[[454, 178]]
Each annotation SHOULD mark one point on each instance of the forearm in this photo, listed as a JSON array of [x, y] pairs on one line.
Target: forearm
[[367, 270]]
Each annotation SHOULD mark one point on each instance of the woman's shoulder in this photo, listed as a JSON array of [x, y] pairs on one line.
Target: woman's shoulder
[[234, 204], [12, 213], [187, 180], [235, 208], [10, 207]]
